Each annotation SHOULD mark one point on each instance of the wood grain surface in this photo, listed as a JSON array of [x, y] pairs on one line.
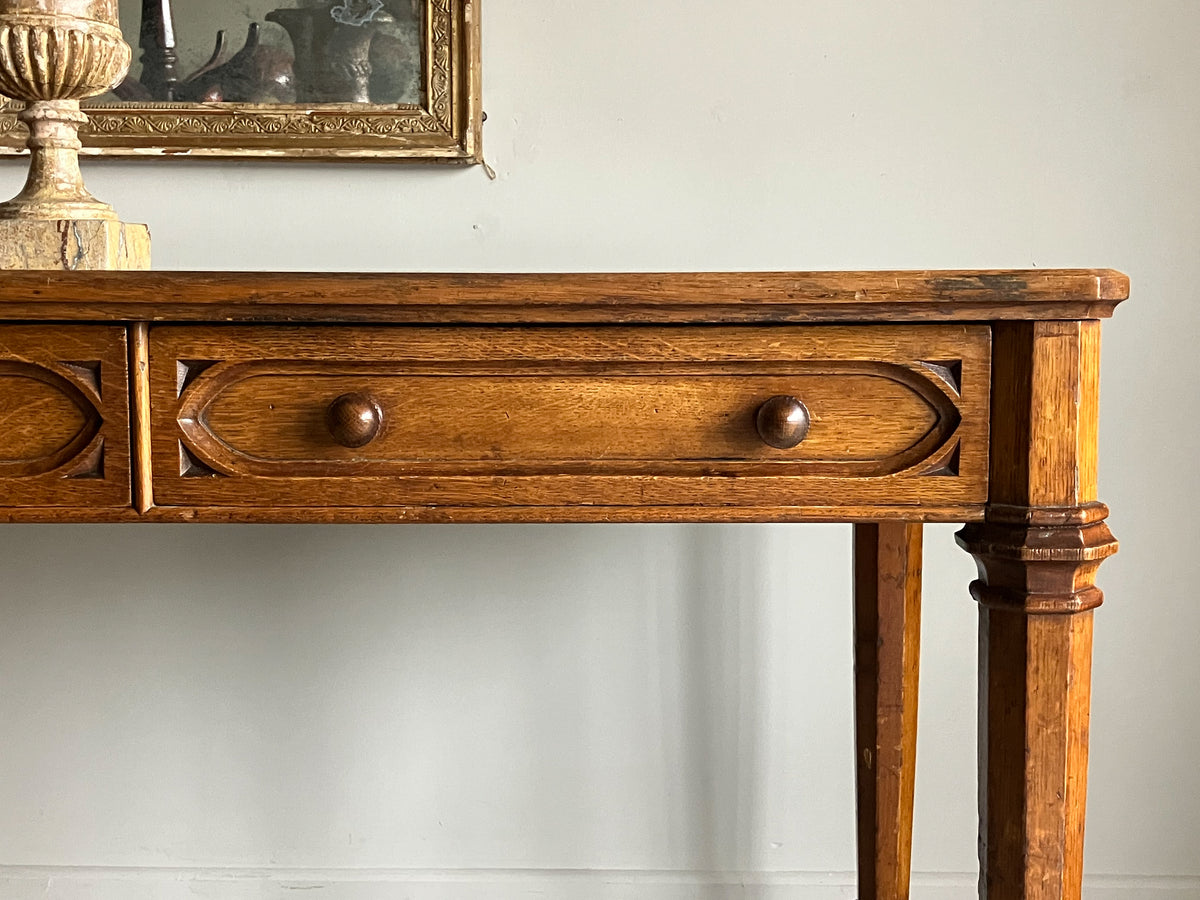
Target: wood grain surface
[[712, 298], [887, 647], [64, 412], [931, 396], [1038, 551], [576, 417], [139, 405], [484, 515]]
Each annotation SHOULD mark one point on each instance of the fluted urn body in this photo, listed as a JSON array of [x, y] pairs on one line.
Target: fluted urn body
[[54, 53]]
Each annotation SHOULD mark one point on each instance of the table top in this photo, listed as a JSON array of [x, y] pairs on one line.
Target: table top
[[552, 298]]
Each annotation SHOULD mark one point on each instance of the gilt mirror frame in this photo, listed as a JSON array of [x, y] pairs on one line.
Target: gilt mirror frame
[[444, 126]]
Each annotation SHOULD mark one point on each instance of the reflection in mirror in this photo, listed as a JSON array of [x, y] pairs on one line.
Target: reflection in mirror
[[272, 51]]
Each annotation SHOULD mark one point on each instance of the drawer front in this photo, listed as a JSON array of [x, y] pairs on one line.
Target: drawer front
[[346, 416], [64, 409]]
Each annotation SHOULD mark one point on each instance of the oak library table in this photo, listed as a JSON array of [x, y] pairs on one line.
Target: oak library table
[[886, 399]]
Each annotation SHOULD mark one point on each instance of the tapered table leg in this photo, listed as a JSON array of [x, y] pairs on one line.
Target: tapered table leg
[[887, 643], [1037, 553]]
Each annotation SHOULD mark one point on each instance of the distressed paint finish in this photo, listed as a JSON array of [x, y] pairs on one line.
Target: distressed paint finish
[[76, 245], [56, 53]]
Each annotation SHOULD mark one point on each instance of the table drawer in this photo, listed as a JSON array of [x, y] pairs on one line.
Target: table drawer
[[476, 416], [64, 416]]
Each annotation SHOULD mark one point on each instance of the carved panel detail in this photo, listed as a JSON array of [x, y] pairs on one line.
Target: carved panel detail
[[948, 370], [945, 463], [90, 464], [191, 467], [568, 417], [49, 420], [64, 409], [188, 370], [1039, 561], [265, 418]]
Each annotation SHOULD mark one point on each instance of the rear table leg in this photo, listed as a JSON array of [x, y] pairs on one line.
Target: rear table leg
[[887, 642]]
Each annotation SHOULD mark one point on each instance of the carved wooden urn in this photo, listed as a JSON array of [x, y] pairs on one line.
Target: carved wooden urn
[[54, 53]]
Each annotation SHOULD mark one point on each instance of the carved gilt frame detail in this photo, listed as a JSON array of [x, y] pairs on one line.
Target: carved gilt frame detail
[[445, 126]]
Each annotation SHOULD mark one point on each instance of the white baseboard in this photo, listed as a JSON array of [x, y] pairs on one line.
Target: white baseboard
[[78, 883]]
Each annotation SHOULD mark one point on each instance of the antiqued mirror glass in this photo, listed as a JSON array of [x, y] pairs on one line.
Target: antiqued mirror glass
[[336, 79], [273, 51]]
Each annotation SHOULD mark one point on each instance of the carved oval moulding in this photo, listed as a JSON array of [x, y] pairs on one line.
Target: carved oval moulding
[[60, 49], [48, 421], [267, 418]]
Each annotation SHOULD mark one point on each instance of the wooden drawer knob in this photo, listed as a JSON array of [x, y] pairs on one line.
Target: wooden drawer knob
[[782, 422], [354, 419]]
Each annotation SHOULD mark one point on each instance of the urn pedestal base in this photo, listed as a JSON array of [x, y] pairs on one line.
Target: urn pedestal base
[[73, 244]]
